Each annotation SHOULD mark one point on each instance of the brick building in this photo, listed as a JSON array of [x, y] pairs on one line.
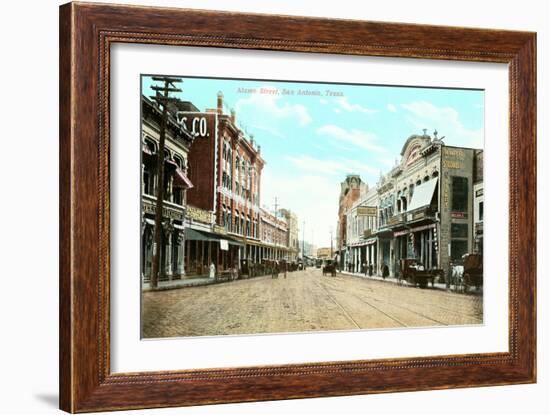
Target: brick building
[[350, 192], [225, 168]]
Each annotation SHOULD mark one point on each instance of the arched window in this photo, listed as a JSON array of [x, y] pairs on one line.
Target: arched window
[[179, 161], [151, 145], [148, 179], [236, 227]]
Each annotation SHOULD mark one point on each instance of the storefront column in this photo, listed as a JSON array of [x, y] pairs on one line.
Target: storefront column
[[392, 257], [209, 254], [187, 254], [430, 246], [202, 258], [368, 257], [148, 254], [168, 255], [421, 235], [180, 265], [378, 258]]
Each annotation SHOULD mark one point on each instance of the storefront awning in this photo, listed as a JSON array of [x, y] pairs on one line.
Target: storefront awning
[[415, 229], [423, 195], [234, 242], [196, 235], [181, 179], [199, 235]]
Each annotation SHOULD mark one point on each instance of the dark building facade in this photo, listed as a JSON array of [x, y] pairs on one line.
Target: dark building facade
[[176, 184]]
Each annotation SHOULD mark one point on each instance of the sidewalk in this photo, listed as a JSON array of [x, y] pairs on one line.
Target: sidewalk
[[181, 283], [191, 282], [438, 285]]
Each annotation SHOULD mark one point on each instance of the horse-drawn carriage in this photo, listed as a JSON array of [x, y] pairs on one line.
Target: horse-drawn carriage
[[330, 268], [248, 268], [414, 273], [467, 272], [473, 271]]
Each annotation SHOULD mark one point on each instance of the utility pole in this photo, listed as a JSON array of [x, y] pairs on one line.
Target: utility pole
[[276, 208], [331, 243], [162, 99], [304, 243]]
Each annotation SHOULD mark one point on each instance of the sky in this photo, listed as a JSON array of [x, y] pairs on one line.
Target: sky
[[313, 134]]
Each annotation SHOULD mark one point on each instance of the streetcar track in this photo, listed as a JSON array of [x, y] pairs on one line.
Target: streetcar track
[[456, 312], [348, 316], [398, 306], [371, 305]]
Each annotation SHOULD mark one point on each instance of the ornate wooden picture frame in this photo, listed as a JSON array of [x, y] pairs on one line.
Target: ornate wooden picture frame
[[87, 32]]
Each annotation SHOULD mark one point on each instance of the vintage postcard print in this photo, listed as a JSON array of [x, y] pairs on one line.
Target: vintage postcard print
[[279, 207]]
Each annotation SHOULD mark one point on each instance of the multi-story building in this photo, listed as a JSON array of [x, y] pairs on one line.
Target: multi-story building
[[225, 168], [176, 184], [293, 242], [350, 191], [478, 202], [273, 236], [361, 243], [426, 205], [324, 253]]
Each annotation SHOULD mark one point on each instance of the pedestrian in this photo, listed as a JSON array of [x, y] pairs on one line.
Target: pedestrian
[[385, 271], [274, 270], [212, 273]]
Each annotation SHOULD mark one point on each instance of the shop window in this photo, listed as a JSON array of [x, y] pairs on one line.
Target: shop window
[[459, 195], [178, 195], [459, 247], [147, 180], [459, 230]]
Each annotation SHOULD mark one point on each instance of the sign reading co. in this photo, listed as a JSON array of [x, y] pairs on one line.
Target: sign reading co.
[[195, 123]]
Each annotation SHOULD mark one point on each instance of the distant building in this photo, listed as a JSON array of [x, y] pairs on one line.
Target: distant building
[[323, 253], [350, 191], [273, 237], [293, 233], [361, 242]]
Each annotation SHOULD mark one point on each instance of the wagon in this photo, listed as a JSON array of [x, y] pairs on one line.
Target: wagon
[[330, 268], [473, 271], [414, 273], [248, 268]]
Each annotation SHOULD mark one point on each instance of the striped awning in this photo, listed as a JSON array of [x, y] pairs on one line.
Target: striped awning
[[181, 179]]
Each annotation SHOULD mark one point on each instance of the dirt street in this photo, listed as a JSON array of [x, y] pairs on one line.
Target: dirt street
[[304, 301]]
